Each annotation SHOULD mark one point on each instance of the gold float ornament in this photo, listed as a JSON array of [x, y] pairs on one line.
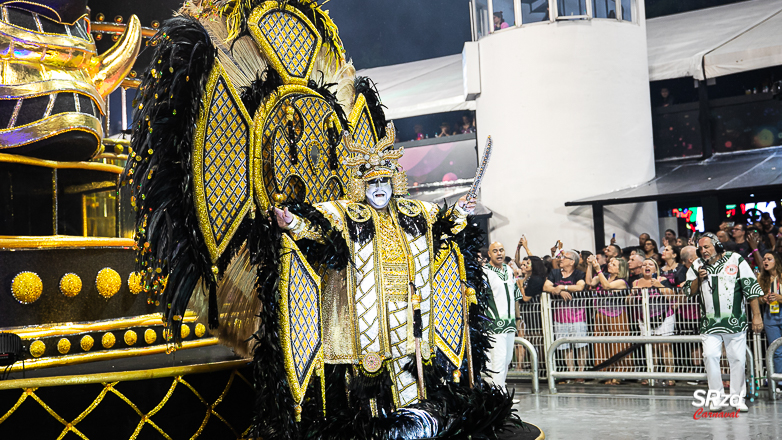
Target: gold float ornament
[[200, 330], [60, 60], [150, 336], [184, 331], [64, 346], [87, 343], [27, 287], [134, 283], [70, 285], [108, 340], [130, 337], [37, 348], [108, 282]]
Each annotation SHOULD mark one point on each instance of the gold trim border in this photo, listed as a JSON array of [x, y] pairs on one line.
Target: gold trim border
[[255, 31], [61, 241], [92, 166], [215, 249], [81, 358], [121, 376], [75, 328], [289, 249], [50, 127]]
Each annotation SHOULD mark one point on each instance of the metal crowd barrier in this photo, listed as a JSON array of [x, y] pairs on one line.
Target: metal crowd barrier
[[613, 320], [771, 376], [553, 374], [533, 373]]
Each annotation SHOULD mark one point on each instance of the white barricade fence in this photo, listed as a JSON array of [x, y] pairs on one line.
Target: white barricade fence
[[623, 313]]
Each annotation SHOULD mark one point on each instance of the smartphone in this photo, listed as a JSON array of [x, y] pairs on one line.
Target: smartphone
[[613, 235], [731, 224]]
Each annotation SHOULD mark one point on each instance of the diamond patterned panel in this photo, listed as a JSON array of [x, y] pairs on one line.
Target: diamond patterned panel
[[304, 316], [291, 39], [322, 183], [362, 130], [226, 161], [448, 318]]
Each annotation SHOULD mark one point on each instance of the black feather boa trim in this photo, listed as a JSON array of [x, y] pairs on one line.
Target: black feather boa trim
[[360, 232], [334, 253], [364, 85], [171, 251], [414, 226]]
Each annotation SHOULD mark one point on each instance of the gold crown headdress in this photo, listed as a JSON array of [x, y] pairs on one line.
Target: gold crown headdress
[[374, 162]]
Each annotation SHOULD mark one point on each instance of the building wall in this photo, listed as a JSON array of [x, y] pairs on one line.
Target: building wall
[[567, 106]]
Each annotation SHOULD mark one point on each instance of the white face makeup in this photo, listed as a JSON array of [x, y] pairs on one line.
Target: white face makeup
[[379, 192]]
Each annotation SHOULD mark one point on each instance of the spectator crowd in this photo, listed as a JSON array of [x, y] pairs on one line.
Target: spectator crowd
[[609, 283]]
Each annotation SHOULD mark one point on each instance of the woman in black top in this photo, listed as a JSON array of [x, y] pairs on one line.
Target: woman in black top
[[533, 272]]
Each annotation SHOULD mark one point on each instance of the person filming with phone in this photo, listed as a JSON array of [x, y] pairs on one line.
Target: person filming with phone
[[725, 282]]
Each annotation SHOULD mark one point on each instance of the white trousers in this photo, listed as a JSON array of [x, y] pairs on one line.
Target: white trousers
[[736, 351], [500, 356]]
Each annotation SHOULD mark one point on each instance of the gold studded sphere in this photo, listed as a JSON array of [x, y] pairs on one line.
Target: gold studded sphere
[[70, 285], [86, 343], [200, 330], [150, 336], [27, 287], [184, 331], [108, 340], [130, 337], [37, 348], [134, 283], [64, 346], [108, 282], [278, 198], [470, 291]]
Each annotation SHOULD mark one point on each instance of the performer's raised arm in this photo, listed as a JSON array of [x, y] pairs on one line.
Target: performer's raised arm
[[299, 228]]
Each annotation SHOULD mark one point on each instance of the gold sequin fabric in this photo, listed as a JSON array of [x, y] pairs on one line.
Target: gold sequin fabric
[[27, 287], [108, 282], [395, 265], [70, 285]]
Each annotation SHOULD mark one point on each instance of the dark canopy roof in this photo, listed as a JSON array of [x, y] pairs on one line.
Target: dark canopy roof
[[747, 170]]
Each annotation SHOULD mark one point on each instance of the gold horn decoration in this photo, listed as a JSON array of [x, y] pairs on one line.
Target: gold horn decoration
[[108, 70]]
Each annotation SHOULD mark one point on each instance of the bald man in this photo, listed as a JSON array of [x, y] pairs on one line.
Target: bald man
[[501, 310]]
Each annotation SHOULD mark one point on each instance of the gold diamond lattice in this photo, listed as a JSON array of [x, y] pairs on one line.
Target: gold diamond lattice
[[449, 322], [312, 116], [304, 317], [293, 42], [29, 396], [362, 132], [226, 161]]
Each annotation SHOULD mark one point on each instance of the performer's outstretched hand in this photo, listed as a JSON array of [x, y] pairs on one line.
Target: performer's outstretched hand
[[284, 218], [467, 204]]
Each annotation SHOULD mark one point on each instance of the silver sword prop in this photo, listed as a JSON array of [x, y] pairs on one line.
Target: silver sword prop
[[481, 171]]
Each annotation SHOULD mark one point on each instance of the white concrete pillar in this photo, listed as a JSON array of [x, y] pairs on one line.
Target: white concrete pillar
[[567, 105]]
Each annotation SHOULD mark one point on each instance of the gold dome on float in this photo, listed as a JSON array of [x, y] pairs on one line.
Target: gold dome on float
[[27, 287]]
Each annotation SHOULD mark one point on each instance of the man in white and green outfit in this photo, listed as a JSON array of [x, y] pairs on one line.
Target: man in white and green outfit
[[724, 282], [501, 310]]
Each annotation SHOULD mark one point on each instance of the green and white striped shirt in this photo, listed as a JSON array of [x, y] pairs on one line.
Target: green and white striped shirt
[[724, 293]]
